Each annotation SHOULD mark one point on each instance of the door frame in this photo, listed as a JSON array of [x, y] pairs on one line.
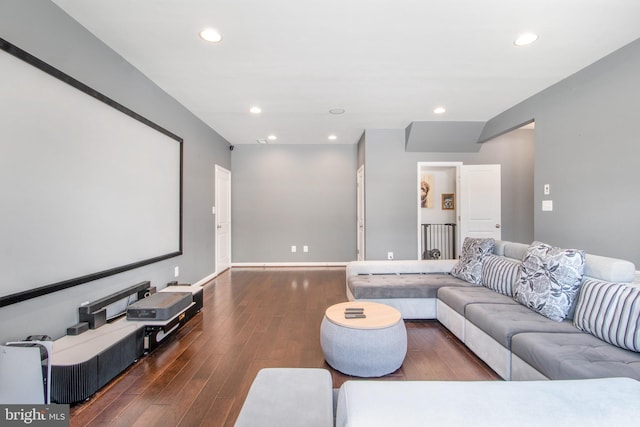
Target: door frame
[[360, 214], [457, 166], [218, 171]]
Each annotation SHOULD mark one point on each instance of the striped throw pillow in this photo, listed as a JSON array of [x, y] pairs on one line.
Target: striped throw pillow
[[611, 312], [499, 274]]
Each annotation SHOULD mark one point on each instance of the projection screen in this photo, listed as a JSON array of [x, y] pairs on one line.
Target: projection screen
[[89, 188]]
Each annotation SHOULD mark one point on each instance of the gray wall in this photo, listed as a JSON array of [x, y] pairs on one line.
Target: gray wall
[[42, 29], [390, 187], [284, 195], [587, 149]]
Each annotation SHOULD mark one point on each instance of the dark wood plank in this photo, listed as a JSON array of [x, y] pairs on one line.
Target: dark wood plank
[[254, 318]]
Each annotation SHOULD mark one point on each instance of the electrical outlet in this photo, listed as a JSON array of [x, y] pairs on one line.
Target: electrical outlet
[[176, 271], [294, 249], [305, 248], [389, 255]]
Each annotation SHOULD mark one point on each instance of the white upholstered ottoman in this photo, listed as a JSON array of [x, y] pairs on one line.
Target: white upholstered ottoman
[[288, 397]]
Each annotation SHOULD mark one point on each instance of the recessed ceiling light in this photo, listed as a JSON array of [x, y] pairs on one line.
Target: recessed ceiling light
[[439, 110], [210, 35], [261, 141], [255, 110], [272, 137], [332, 137], [525, 39], [337, 111]]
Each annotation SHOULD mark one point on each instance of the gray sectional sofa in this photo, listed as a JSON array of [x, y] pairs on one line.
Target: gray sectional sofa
[[513, 339]]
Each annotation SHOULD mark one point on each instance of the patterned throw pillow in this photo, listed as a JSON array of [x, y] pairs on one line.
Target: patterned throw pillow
[[549, 280], [611, 312], [469, 267], [500, 273]]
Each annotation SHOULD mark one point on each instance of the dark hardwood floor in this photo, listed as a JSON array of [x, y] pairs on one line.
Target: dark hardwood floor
[[252, 319]]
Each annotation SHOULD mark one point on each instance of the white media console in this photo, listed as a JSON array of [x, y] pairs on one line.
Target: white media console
[[82, 364]]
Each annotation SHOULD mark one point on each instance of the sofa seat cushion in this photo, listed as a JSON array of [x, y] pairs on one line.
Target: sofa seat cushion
[[574, 356], [584, 403], [377, 286], [459, 297], [503, 321]]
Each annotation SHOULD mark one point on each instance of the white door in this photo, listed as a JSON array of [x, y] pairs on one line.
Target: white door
[[360, 213], [223, 219], [479, 202]]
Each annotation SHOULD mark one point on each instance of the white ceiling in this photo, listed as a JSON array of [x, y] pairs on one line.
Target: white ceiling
[[387, 63]]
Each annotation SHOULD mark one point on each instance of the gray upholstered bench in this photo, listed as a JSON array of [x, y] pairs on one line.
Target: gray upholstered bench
[[289, 397]]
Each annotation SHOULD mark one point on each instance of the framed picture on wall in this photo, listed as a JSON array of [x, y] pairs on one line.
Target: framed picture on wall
[[448, 202], [426, 190]]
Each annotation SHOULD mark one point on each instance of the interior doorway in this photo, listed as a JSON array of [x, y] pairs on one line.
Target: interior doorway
[[456, 201], [437, 210], [222, 219]]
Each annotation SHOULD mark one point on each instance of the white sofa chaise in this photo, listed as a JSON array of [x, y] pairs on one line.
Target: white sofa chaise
[[584, 403]]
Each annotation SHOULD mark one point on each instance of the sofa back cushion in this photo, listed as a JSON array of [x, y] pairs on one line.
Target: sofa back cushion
[[611, 312], [549, 280], [512, 250], [469, 266], [609, 269], [515, 250], [499, 274]]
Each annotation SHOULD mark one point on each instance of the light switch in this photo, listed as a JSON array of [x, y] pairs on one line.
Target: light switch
[[547, 189], [547, 205]]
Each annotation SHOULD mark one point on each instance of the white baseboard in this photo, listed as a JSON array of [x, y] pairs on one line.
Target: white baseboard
[[212, 276], [289, 264], [204, 280]]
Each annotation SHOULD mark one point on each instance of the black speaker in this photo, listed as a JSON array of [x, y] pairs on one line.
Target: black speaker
[[78, 328], [146, 292]]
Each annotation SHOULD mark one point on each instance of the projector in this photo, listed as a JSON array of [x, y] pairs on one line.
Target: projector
[[159, 306]]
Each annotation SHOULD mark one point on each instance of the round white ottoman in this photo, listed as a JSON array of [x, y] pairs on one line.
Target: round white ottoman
[[369, 347]]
